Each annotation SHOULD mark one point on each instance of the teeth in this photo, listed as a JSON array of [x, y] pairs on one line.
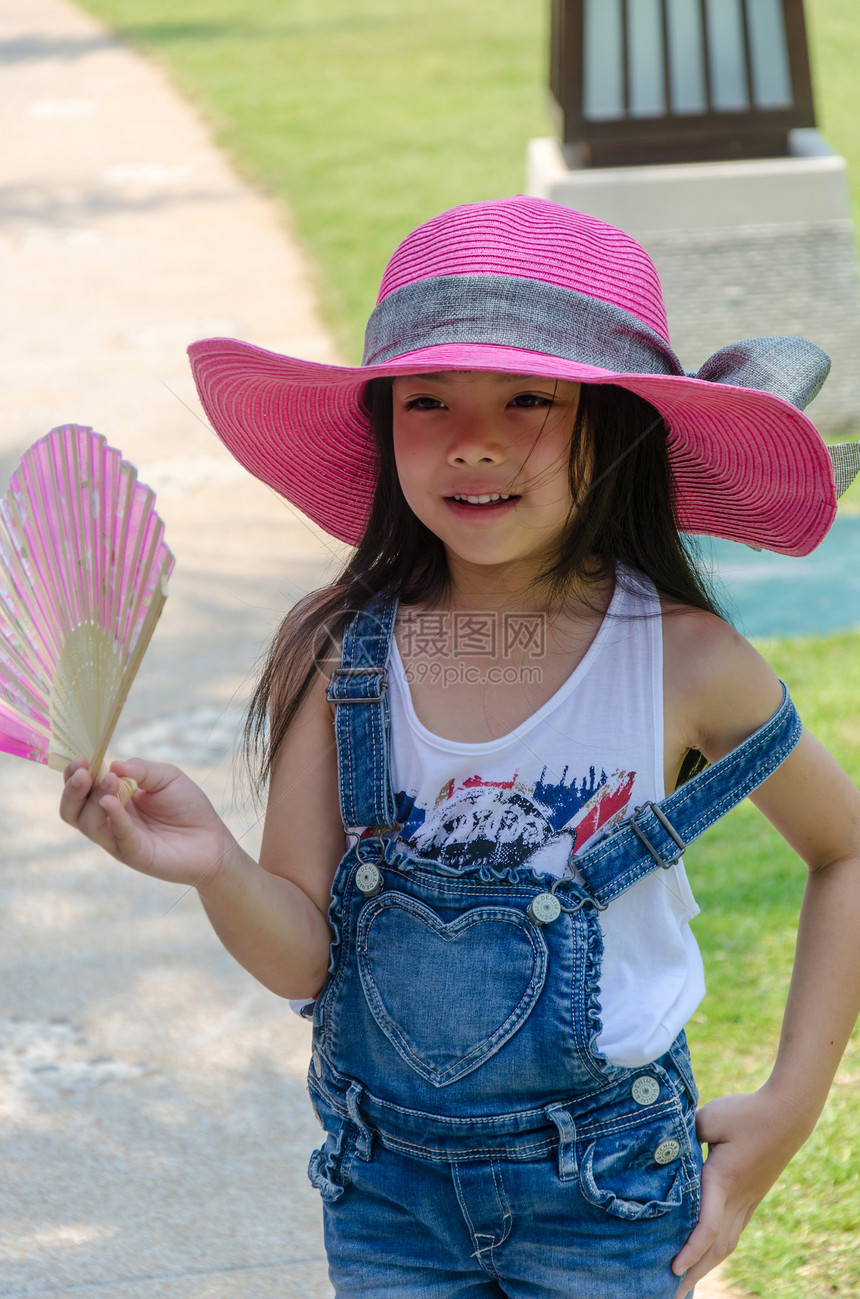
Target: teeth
[[483, 500]]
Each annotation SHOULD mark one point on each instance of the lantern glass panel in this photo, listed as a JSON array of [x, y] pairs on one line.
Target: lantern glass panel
[[603, 73], [686, 57], [771, 76], [727, 55], [645, 45]]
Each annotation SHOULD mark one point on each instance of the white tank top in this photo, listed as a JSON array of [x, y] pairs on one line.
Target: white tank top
[[576, 767]]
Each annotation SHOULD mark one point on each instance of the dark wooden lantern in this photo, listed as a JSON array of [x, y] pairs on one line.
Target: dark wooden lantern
[[650, 81]]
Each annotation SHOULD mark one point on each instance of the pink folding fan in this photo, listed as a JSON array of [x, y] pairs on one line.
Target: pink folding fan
[[83, 579]]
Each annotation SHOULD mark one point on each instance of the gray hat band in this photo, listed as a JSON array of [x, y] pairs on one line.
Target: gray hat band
[[506, 311], [510, 311]]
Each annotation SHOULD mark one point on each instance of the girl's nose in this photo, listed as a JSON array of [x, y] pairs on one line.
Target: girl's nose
[[476, 441]]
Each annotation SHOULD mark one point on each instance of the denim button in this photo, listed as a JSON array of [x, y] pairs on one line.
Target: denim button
[[645, 1090], [368, 879], [666, 1152], [317, 1063], [544, 908]]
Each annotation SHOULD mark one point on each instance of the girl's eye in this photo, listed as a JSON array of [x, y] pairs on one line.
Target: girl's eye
[[424, 403], [531, 400]]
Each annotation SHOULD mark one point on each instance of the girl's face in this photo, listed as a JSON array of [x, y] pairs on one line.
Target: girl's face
[[482, 460]]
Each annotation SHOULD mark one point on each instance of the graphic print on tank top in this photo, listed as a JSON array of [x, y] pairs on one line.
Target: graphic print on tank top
[[508, 823], [533, 797]]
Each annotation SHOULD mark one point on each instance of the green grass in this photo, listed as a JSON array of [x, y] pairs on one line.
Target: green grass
[[833, 31], [366, 117]]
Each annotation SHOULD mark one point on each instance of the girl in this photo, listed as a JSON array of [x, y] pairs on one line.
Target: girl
[[500, 968]]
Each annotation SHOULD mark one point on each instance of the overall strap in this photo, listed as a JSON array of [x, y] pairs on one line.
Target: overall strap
[[359, 688], [657, 833]]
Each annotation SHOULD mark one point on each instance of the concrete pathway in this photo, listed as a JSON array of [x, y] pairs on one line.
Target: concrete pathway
[[155, 1131]]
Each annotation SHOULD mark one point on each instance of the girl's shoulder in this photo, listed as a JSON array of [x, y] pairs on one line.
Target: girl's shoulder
[[717, 687], [703, 639]]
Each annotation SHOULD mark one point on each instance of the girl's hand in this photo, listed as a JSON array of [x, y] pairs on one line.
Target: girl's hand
[[168, 829], [751, 1138]]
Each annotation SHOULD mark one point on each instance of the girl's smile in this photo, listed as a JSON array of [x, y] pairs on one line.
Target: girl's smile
[[483, 461]]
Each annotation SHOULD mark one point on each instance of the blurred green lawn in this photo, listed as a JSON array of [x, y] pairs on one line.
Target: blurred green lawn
[[368, 116]]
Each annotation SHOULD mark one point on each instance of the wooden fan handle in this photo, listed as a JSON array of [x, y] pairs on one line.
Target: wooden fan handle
[[127, 786]]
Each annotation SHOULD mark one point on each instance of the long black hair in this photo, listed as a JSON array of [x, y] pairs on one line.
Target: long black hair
[[624, 513]]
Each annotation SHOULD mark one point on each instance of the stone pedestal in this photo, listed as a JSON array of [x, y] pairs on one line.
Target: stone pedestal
[[742, 248]]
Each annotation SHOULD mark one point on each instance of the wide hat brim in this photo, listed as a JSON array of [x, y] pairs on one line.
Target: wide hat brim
[[748, 465]]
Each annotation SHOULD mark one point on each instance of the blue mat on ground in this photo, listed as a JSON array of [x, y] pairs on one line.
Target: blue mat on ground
[[770, 595]]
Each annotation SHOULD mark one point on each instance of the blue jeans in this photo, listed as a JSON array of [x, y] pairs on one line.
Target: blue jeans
[[478, 1142], [591, 1215]]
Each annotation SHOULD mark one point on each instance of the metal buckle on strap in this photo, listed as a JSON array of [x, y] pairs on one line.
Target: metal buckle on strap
[[355, 672], [587, 901], [667, 826]]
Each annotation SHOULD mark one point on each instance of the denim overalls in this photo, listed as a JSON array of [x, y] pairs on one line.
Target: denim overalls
[[478, 1143]]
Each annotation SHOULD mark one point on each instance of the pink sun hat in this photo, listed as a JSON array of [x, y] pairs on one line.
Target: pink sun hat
[[525, 286]]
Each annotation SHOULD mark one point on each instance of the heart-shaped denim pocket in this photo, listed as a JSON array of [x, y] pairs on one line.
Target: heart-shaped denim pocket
[[447, 996]]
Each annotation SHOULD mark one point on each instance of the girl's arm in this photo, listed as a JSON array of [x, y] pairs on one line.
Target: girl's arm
[[271, 916], [275, 920], [816, 808]]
